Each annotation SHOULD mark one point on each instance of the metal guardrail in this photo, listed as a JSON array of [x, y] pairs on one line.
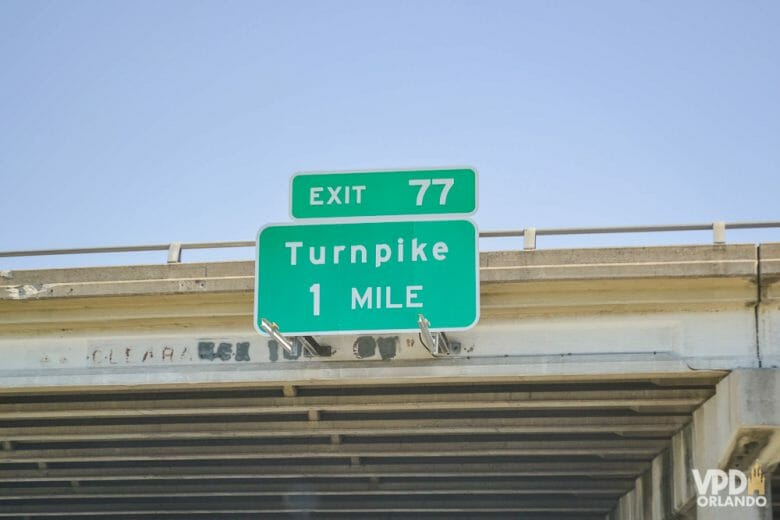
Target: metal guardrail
[[529, 235], [718, 229]]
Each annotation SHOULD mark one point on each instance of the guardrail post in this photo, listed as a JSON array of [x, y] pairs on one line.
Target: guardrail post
[[529, 239], [174, 253], [719, 232]]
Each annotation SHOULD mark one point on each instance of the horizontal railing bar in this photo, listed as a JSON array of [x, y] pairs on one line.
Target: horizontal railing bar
[[624, 229], [654, 229], [84, 250], [752, 225], [482, 234], [627, 229], [215, 245], [596, 231], [502, 233], [127, 249]]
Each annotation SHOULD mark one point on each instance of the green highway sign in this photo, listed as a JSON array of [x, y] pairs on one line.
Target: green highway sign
[[377, 277], [383, 193]]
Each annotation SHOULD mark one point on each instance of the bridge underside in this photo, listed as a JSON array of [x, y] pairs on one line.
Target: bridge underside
[[475, 448], [594, 382]]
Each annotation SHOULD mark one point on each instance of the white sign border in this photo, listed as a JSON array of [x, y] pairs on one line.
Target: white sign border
[[309, 222], [384, 218]]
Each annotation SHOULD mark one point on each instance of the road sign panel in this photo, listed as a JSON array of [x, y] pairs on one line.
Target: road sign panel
[[367, 277], [383, 193]]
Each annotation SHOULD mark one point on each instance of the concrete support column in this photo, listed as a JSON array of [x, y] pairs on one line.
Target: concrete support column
[[738, 427]]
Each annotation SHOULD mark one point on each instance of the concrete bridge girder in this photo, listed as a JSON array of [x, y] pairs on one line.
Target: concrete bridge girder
[[620, 346]]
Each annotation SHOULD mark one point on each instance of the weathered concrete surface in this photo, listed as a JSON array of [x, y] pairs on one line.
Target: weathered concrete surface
[[628, 321], [721, 262], [544, 313], [736, 428], [614, 263], [769, 309], [127, 280]]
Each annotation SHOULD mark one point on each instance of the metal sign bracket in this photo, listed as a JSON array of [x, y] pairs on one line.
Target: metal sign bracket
[[308, 344], [437, 343]]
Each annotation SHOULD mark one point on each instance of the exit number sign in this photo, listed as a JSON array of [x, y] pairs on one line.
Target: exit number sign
[[370, 277], [383, 193]]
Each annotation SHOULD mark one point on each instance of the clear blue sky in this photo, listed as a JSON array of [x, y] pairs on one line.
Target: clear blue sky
[[142, 122]]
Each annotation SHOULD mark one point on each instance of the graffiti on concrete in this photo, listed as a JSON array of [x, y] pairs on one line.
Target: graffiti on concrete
[[224, 351], [367, 347], [239, 349], [172, 353]]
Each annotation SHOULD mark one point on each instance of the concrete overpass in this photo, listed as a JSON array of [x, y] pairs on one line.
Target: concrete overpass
[[595, 381]]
